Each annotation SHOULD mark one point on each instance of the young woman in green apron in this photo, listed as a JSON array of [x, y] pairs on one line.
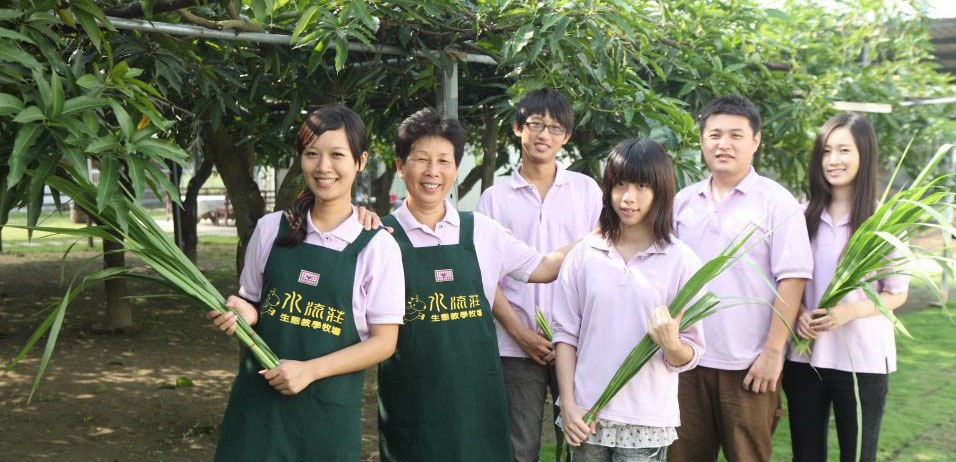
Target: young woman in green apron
[[441, 395], [327, 296]]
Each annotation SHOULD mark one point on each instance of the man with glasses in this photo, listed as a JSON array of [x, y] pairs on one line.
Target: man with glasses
[[547, 207]]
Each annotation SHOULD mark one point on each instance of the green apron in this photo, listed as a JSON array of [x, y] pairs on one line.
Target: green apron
[[305, 311], [441, 395]]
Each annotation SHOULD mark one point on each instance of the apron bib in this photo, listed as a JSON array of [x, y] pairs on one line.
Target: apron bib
[[441, 395], [305, 311]]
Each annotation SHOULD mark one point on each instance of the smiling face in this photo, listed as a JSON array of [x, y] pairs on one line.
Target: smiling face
[[841, 158], [329, 166], [429, 171], [631, 202], [729, 143], [540, 146]]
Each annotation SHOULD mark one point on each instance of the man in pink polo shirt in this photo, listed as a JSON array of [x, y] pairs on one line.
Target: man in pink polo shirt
[[731, 399], [547, 207]]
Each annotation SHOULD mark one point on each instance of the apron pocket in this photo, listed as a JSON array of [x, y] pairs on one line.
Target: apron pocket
[[400, 410]]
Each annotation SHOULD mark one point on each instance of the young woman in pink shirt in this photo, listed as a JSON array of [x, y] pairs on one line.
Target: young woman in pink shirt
[[852, 336], [616, 287]]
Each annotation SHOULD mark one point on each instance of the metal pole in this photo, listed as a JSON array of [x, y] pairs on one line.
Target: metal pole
[[277, 39]]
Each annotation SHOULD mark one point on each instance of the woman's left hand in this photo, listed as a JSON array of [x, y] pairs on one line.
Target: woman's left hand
[[289, 377], [824, 320], [664, 329]]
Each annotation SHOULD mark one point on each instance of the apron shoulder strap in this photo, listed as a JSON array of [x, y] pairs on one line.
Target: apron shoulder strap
[[399, 233], [466, 234], [360, 242]]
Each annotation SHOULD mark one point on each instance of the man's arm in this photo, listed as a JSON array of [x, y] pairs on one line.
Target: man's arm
[[765, 371]]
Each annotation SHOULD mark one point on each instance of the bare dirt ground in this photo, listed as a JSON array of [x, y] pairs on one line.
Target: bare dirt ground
[[113, 396]]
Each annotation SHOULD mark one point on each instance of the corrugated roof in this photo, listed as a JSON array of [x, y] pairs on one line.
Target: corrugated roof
[[943, 32]]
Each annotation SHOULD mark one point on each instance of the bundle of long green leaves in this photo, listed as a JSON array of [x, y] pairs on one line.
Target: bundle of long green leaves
[[542, 323], [119, 219], [923, 206]]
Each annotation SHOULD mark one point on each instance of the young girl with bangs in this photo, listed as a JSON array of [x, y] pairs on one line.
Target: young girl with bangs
[[617, 285], [326, 296], [854, 335]]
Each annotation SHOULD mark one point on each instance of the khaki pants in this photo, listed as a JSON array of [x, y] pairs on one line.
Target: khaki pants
[[717, 412]]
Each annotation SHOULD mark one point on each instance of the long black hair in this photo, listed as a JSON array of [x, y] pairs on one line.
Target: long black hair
[[326, 118], [865, 183], [640, 161]]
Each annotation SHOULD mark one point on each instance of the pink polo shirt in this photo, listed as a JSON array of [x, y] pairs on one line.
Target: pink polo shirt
[[499, 252], [870, 340], [735, 336], [604, 314], [378, 294], [568, 212]]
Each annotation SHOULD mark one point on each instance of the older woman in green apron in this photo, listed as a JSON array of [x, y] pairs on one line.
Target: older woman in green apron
[[327, 296], [441, 395]]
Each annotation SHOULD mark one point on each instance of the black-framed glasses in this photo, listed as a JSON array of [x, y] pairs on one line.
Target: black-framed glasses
[[552, 129]]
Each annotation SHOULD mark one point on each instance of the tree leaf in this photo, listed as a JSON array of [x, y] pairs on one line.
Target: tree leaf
[[125, 122], [43, 91], [29, 114], [14, 54], [360, 10], [90, 27], [56, 95], [303, 22], [10, 104], [15, 35], [82, 103], [22, 154], [136, 171], [109, 182], [341, 53]]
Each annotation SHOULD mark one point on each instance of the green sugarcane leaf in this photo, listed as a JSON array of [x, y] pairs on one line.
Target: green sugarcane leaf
[[109, 182], [10, 104], [88, 231], [37, 333], [50, 343], [22, 155], [82, 103]]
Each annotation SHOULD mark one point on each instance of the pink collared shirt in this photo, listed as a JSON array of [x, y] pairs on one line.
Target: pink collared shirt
[[604, 314], [870, 342], [499, 252], [569, 211], [378, 294], [735, 336]]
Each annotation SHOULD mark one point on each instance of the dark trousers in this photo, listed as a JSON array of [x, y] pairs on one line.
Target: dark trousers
[[809, 396], [527, 384]]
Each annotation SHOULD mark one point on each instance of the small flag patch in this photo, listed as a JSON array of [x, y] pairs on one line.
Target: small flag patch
[[308, 277], [444, 275]]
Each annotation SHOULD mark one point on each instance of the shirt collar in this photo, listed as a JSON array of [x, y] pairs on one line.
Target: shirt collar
[[598, 241], [826, 218], [744, 186], [408, 221], [347, 231], [517, 181]]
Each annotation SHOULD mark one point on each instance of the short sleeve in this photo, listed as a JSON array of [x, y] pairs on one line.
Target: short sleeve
[[518, 260], [257, 253], [790, 252], [384, 281], [894, 284], [568, 304]]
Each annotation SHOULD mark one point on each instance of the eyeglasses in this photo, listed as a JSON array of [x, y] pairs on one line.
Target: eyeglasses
[[553, 129]]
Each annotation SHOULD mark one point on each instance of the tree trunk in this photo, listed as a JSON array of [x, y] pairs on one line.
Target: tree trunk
[[235, 167], [489, 161], [118, 312], [291, 185], [381, 188], [190, 215]]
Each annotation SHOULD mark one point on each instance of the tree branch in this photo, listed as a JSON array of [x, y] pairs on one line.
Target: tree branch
[[135, 9], [234, 24]]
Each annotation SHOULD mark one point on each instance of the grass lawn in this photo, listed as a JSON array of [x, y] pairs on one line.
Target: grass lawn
[[16, 239], [919, 423]]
